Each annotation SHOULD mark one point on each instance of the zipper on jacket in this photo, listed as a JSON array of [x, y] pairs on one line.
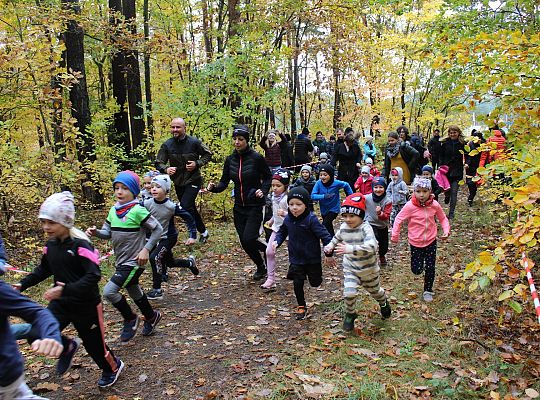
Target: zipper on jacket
[[240, 179]]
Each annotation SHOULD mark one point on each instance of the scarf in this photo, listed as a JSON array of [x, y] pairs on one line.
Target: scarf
[[392, 150], [427, 203], [123, 209], [376, 198]]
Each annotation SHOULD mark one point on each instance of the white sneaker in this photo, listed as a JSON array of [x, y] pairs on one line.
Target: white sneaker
[[428, 296]]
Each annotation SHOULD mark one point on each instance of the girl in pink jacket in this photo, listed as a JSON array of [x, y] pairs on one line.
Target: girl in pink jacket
[[421, 211]]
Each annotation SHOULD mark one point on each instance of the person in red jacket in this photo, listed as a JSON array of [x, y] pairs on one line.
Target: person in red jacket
[[498, 152], [364, 181]]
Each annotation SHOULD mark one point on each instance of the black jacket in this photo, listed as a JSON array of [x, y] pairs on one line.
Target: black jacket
[[472, 161], [302, 148], [452, 155], [346, 161], [73, 262], [176, 153], [249, 172], [434, 147], [409, 155]]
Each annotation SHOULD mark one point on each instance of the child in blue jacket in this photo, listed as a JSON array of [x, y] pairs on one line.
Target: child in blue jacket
[[326, 192], [305, 233]]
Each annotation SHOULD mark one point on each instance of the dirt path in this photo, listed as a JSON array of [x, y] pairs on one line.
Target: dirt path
[[221, 337]]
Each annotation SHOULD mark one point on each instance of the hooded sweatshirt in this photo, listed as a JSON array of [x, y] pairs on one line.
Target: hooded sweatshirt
[[363, 185], [328, 196], [422, 228], [397, 191]]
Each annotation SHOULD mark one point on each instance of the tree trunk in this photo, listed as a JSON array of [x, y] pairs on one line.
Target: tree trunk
[[147, 83], [80, 107], [292, 90], [207, 31], [402, 95], [119, 134], [133, 81]]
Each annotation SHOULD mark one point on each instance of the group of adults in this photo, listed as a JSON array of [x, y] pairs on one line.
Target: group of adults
[[182, 156]]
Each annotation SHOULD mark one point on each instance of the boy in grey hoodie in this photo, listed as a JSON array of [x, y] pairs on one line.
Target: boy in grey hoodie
[[397, 191]]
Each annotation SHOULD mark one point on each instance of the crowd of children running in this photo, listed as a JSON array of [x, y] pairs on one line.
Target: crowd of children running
[[141, 228]]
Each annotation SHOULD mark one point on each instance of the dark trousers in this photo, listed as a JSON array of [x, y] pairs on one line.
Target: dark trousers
[[187, 195], [299, 273], [381, 234], [88, 321], [473, 188], [423, 259], [161, 258], [247, 222], [452, 194], [434, 163], [328, 222]]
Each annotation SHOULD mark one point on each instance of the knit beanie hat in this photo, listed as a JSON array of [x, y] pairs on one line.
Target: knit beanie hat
[[271, 135], [299, 193], [427, 168], [379, 181], [328, 169], [354, 204], [241, 130], [59, 208], [164, 181], [282, 175], [130, 179], [323, 156], [369, 161], [421, 183], [366, 169], [306, 168], [151, 174]]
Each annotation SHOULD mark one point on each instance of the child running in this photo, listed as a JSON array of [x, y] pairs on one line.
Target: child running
[[326, 192], [305, 233], [397, 191], [280, 181], [71, 260], [427, 172], [147, 185], [126, 225], [307, 181], [378, 209], [421, 211], [372, 168], [363, 183], [356, 241], [164, 210]]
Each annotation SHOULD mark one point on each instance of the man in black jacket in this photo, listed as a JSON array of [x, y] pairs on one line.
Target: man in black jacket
[[181, 157]]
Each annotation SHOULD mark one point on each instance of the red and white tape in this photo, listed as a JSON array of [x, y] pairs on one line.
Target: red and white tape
[[531, 286], [16, 270]]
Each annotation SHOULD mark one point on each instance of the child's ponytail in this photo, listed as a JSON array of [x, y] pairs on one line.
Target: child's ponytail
[[75, 233]]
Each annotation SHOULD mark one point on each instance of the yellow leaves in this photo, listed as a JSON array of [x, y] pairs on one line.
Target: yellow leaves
[[505, 295]]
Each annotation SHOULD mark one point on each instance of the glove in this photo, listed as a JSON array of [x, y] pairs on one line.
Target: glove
[[329, 195]]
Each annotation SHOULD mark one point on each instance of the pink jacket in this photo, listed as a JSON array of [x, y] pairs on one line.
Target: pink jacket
[[440, 177], [422, 225]]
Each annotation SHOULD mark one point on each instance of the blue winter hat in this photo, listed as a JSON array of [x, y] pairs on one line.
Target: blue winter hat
[[378, 181], [130, 179], [427, 168]]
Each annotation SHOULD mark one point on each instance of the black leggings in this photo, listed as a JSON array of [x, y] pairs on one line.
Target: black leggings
[[423, 259], [328, 222], [453, 195], [161, 257], [187, 194], [247, 221], [88, 321], [381, 234]]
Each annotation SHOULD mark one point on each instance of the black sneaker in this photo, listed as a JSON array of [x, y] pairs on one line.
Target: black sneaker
[[66, 358], [260, 273], [470, 203], [109, 378], [129, 330], [155, 294], [386, 311], [150, 326], [348, 322], [301, 313], [204, 238], [193, 265]]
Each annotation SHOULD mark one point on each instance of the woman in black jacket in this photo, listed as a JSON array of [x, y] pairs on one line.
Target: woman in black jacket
[[400, 154], [346, 158], [451, 154], [251, 177]]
